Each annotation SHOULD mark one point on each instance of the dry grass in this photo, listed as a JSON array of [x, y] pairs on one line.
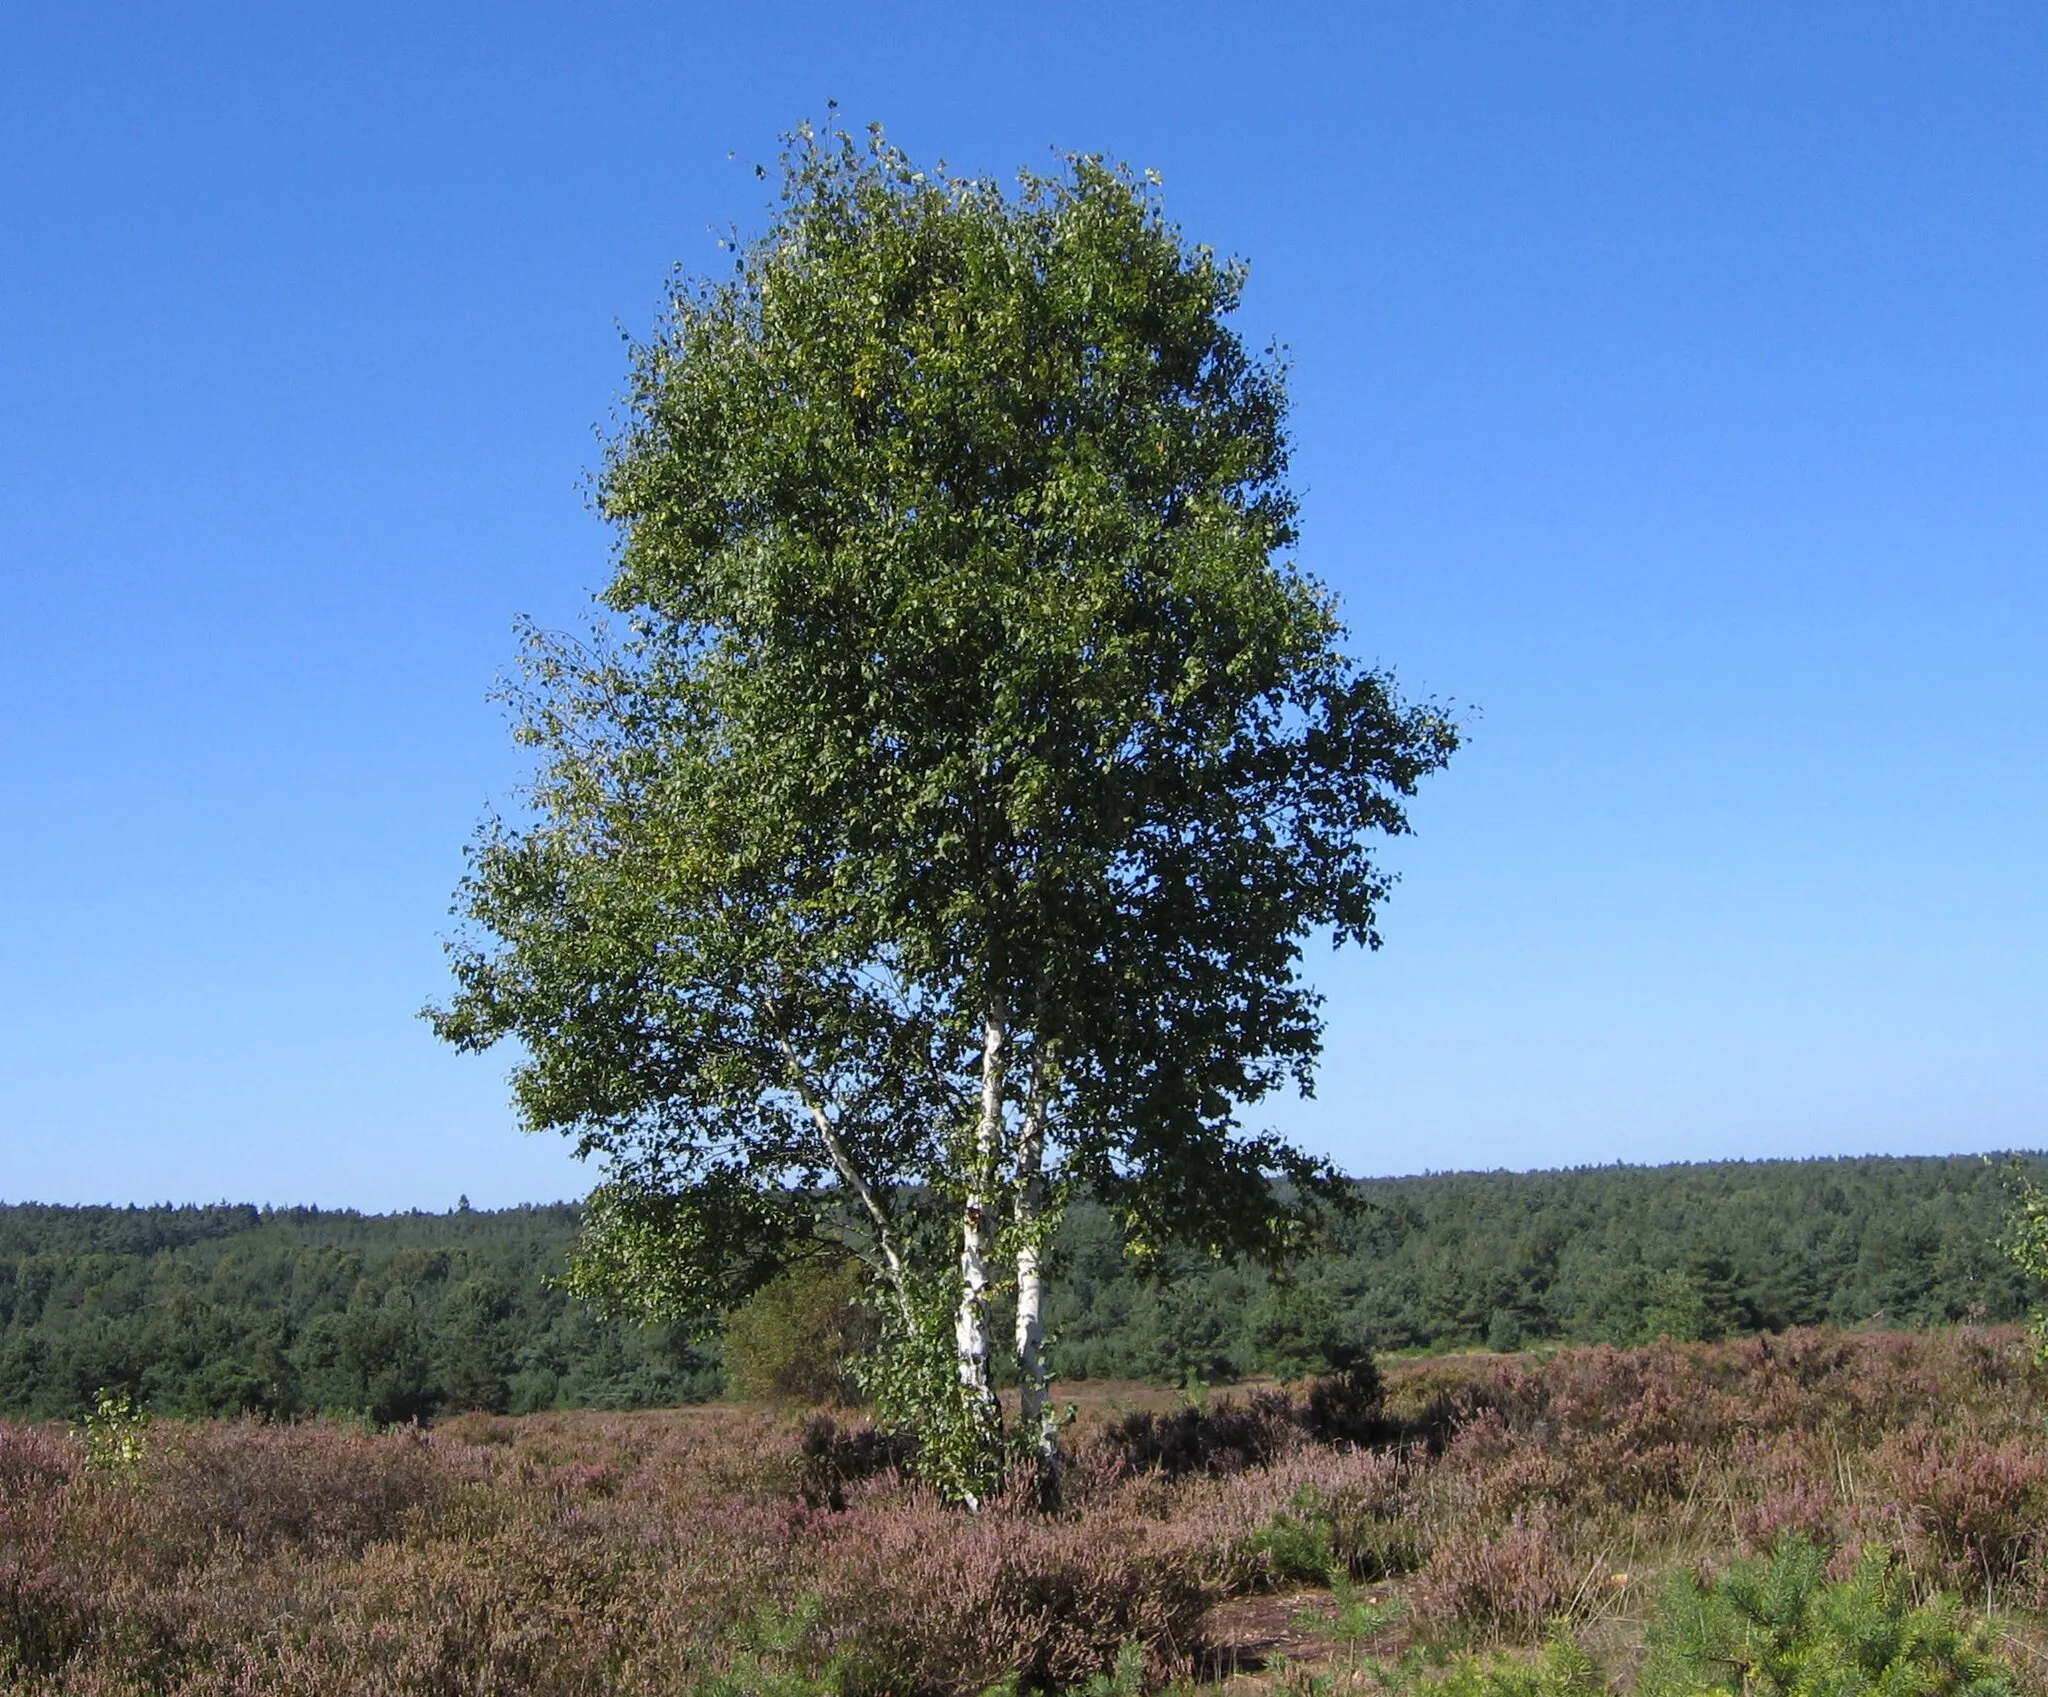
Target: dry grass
[[727, 1549]]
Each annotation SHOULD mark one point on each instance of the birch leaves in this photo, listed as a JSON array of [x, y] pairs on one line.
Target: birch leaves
[[946, 829]]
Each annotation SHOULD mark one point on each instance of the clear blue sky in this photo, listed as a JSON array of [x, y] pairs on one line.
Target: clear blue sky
[[1671, 381]]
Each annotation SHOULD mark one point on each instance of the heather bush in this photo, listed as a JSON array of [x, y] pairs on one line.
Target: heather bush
[[255, 1486], [1352, 1503], [1348, 1518], [831, 1457], [1507, 1582], [1791, 1484], [34, 1459], [1344, 1408], [1974, 1509], [920, 1598], [1223, 1438], [1765, 1627], [1348, 1407]]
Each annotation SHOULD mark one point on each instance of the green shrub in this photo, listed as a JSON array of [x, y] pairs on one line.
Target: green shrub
[[1352, 1620], [1776, 1628], [116, 1434], [1295, 1544], [1763, 1628], [776, 1657], [1331, 1537], [1562, 1670], [1128, 1680], [797, 1338]]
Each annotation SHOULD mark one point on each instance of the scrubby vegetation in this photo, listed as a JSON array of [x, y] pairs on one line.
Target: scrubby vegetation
[[230, 1309], [1470, 1510]]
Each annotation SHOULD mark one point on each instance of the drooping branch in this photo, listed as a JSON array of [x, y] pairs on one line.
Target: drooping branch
[[815, 1100]]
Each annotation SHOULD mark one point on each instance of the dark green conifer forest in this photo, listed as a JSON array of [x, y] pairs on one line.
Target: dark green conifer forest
[[227, 1309]]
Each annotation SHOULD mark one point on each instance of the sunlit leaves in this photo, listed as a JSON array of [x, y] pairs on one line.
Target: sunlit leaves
[[965, 669]]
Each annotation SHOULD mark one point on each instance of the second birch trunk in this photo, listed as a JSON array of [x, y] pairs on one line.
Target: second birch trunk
[[1035, 1415], [973, 1342]]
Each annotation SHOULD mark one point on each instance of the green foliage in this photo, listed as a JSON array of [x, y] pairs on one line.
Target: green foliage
[[1295, 1331], [1696, 1301], [2025, 1241], [224, 1310], [652, 1254], [1127, 1679], [374, 1355], [774, 1657], [116, 1434], [802, 1337], [1296, 1543], [947, 818], [1353, 1620], [1519, 1260], [754, 1676], [913, 1379], [476, 1348], [1777, 1628], [1564, 1669]]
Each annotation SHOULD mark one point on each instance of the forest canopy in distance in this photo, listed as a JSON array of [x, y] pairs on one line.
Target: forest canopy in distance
[[226, 1309]]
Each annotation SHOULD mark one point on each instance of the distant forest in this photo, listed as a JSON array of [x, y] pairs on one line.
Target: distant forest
[[213, 1310]]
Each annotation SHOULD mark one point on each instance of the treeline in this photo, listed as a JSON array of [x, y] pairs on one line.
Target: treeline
[[219, 1310], [223, 1309], [1600, 1254]]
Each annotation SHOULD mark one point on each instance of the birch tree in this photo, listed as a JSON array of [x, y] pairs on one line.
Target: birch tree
[[941, 828]]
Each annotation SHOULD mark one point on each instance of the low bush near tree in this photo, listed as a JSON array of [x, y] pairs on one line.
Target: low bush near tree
[[799, 1337]]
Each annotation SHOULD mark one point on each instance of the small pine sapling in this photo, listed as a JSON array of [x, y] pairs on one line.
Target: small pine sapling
[[1776, 1628], [1353, 1619]]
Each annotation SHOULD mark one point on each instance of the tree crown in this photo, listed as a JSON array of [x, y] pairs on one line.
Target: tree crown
[[966, 677]]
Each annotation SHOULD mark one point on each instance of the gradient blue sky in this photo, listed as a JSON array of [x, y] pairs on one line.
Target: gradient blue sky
[[1671, 381]]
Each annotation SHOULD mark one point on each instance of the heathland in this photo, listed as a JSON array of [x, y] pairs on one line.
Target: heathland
[[1551, 1524]]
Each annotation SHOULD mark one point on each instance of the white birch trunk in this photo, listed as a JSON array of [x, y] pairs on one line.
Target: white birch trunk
[[1035, 1413], [973, 1343], [1031, 1339]]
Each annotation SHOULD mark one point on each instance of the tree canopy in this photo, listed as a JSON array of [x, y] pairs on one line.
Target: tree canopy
[[940, 826]]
